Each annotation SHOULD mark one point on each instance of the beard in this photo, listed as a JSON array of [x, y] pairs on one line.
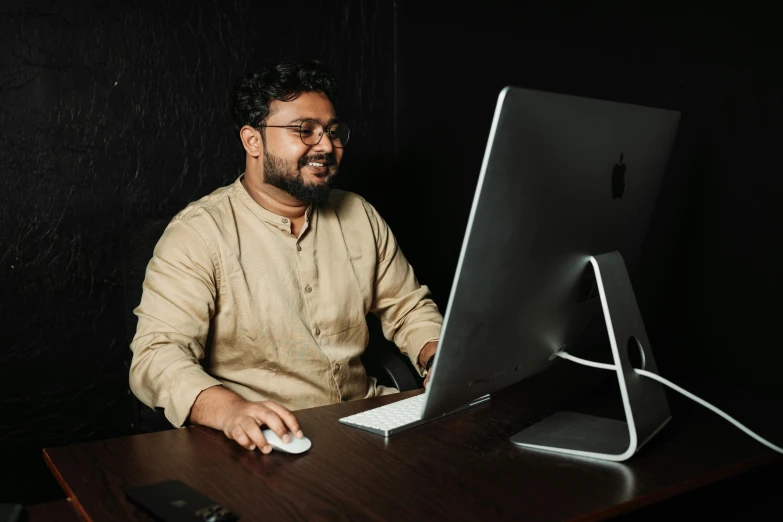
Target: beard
[[278, 174]]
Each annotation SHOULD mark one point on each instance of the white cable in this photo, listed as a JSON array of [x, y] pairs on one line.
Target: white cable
[[676, 388], [708, 406], [585, 362]]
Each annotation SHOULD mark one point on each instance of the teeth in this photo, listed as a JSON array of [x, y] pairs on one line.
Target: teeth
[[316, 164]]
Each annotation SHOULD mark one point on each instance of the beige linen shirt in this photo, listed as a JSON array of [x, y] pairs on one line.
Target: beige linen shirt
[[231, 297]]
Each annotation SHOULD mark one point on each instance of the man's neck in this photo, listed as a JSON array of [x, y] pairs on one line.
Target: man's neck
[[275, 200]]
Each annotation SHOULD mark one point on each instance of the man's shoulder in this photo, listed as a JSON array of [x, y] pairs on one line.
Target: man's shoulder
[[338, 197], [209, 207], [357, 213], [347, 203]]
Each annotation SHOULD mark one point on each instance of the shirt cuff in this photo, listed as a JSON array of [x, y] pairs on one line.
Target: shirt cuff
[[184, 392]]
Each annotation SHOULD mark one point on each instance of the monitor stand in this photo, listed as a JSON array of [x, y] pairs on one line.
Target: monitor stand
[[644, 401]]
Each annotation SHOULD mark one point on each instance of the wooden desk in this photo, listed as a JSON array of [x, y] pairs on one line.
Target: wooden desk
[[461, 467]]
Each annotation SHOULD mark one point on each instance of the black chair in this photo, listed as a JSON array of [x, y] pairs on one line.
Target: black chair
[[382, 359]]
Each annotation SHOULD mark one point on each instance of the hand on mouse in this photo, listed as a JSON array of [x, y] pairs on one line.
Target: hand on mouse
[[241, 420], [244, 420]]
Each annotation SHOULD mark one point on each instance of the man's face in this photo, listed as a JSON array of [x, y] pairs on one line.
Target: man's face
[[306, 172]]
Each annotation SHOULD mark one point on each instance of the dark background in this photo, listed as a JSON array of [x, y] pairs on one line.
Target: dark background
[[112, 112]]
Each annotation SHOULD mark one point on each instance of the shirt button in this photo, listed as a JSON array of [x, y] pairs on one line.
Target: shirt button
[[285, 220], [317, 331], [308, 289], [299, 248], [336, 367]]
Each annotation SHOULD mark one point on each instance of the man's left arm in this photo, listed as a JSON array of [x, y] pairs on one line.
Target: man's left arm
[[408, 315]]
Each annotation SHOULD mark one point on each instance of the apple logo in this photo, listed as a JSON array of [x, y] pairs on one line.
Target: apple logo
[[618, 179]]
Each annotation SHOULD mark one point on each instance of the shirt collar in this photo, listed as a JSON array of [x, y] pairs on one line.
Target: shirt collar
[[265, 215]]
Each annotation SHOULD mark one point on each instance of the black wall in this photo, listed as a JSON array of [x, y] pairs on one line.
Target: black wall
[[116, 111]]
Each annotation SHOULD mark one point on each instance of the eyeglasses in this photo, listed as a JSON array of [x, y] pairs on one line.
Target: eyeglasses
[[311, 132]]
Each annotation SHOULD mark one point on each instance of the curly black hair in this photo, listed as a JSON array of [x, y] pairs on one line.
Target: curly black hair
[[284, 81]]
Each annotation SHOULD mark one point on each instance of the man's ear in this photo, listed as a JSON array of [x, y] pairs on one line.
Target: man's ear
[[251, 141]]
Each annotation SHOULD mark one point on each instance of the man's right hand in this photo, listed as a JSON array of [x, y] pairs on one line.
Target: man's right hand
[[242, 420]]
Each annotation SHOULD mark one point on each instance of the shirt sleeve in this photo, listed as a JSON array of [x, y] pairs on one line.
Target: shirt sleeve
[[408, 316], [177, 303]]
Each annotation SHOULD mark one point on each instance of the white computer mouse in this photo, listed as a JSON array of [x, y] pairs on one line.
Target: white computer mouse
[[295, 446]]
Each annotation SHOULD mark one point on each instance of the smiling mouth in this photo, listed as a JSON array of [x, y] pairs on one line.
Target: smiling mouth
[[319, 171]]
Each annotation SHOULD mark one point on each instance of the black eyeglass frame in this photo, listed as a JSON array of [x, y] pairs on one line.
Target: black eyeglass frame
[[324, 130]]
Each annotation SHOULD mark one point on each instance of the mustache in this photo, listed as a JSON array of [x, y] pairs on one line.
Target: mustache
[[326, 159]]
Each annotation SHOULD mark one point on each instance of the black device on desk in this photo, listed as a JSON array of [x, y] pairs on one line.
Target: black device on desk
[[11, 512], [175, 501]]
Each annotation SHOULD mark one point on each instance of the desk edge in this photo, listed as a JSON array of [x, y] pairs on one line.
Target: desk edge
[[68, 491]]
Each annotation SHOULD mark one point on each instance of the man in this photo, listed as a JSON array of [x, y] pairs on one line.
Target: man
[[254, 302]]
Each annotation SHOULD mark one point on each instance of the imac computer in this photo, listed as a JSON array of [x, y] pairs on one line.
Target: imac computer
[[565, 195]]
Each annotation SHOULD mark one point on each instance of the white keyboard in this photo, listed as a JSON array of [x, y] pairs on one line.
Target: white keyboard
[[397, 416]]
